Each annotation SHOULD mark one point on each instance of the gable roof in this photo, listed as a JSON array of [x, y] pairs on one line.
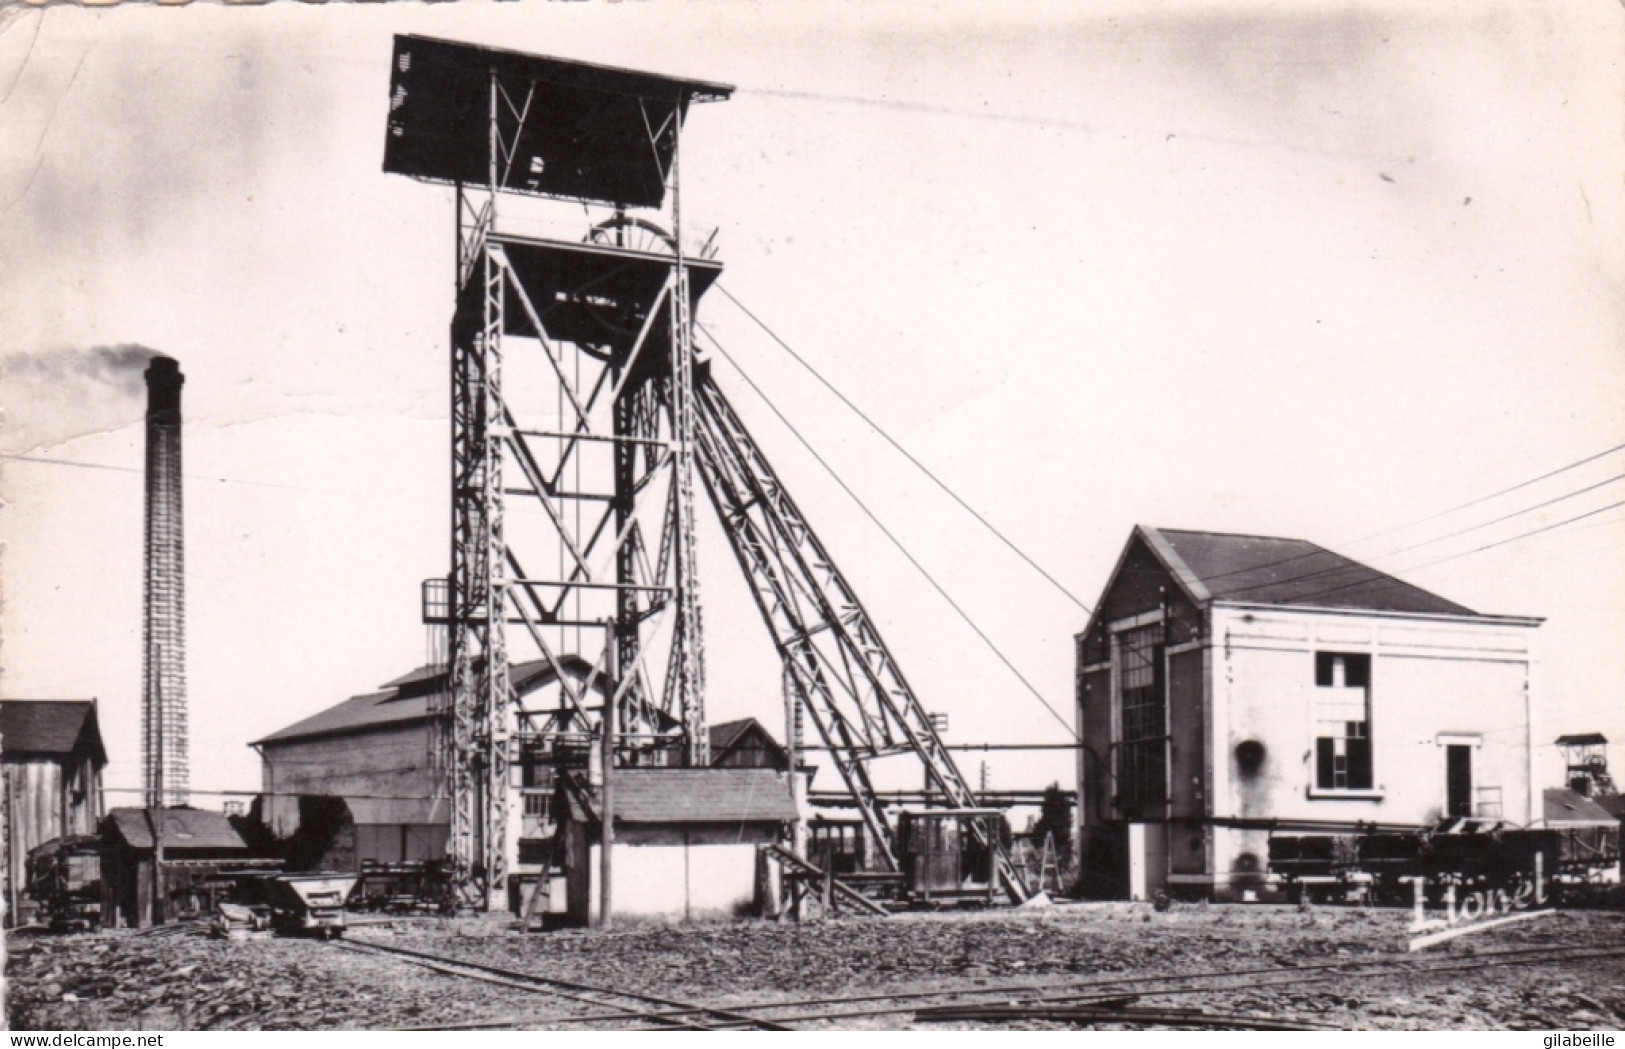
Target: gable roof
[[1562, 805], [728, 734], [181, 829], [53, 727], [1271, 571], [709, 795], [409, 699]]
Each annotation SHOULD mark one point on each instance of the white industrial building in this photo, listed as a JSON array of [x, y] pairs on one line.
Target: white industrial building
[[1233, 686]]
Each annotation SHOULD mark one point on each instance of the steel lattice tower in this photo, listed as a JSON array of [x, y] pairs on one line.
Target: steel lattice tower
[[164, 768], [575, 520], [572, 494]]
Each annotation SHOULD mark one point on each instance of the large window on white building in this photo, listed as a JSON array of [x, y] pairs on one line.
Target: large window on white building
[[1142, 750], [1342, 716]]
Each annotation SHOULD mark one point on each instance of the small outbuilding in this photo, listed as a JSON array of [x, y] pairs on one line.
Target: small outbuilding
[[685, 840], [160, 863], [1590, 831], [51, 761]]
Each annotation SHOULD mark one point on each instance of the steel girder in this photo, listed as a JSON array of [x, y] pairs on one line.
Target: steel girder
[[837, 663], [472, 749]]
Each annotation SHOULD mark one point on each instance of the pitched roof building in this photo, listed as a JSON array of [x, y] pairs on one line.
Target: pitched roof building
[[1231, 684], [376, 752], [51, 761]]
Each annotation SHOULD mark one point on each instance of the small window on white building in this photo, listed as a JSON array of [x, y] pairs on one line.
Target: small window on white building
[[1342, 716]]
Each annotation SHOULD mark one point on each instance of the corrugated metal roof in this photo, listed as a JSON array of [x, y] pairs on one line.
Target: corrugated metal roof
[[405, 700], [666, 796], [1562, 805], [1272, 571], [50, 727], [181, 829]]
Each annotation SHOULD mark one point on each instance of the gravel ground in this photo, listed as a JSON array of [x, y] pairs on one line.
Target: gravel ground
[[185, 980]]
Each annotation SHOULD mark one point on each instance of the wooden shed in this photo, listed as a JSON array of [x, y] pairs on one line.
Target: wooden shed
[[197, 846], [51, 761]]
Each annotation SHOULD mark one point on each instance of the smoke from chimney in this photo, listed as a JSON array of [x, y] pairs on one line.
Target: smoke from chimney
[[164, 766], [61, 393]]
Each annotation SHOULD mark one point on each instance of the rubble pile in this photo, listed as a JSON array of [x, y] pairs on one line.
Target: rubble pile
[[189, 980]]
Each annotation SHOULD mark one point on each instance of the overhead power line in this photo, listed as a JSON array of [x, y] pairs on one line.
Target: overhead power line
[[905, 453], [929, 474], [887, 532], [1505, 491], [1522, 535], [1322, 572], [1475, 550], [1435, 516], [190, 477]]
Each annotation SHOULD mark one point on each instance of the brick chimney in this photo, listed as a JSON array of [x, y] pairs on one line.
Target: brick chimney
[[163, 694]]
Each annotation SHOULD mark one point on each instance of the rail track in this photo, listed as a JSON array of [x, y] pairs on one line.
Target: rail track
[[666, 1013], [1101, 999]]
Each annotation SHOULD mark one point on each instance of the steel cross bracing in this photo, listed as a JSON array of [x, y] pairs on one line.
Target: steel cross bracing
[[838, 665], [602, 477]]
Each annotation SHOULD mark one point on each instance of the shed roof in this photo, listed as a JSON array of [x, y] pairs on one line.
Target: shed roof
[[709, 795], [181, 828], [1584, 739], [1562, 805], [1274, 571], [405, 700], [54, 727]]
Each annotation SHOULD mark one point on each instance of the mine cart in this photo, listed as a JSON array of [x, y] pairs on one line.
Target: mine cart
[[65, 879], [310, 902], [942, 860], [401, 888]]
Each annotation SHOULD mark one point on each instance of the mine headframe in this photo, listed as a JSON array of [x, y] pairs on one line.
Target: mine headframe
[[600, 444], [572, 410], [1585, 757]]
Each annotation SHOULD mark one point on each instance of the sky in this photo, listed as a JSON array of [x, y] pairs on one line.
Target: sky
[[1330, 271]]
